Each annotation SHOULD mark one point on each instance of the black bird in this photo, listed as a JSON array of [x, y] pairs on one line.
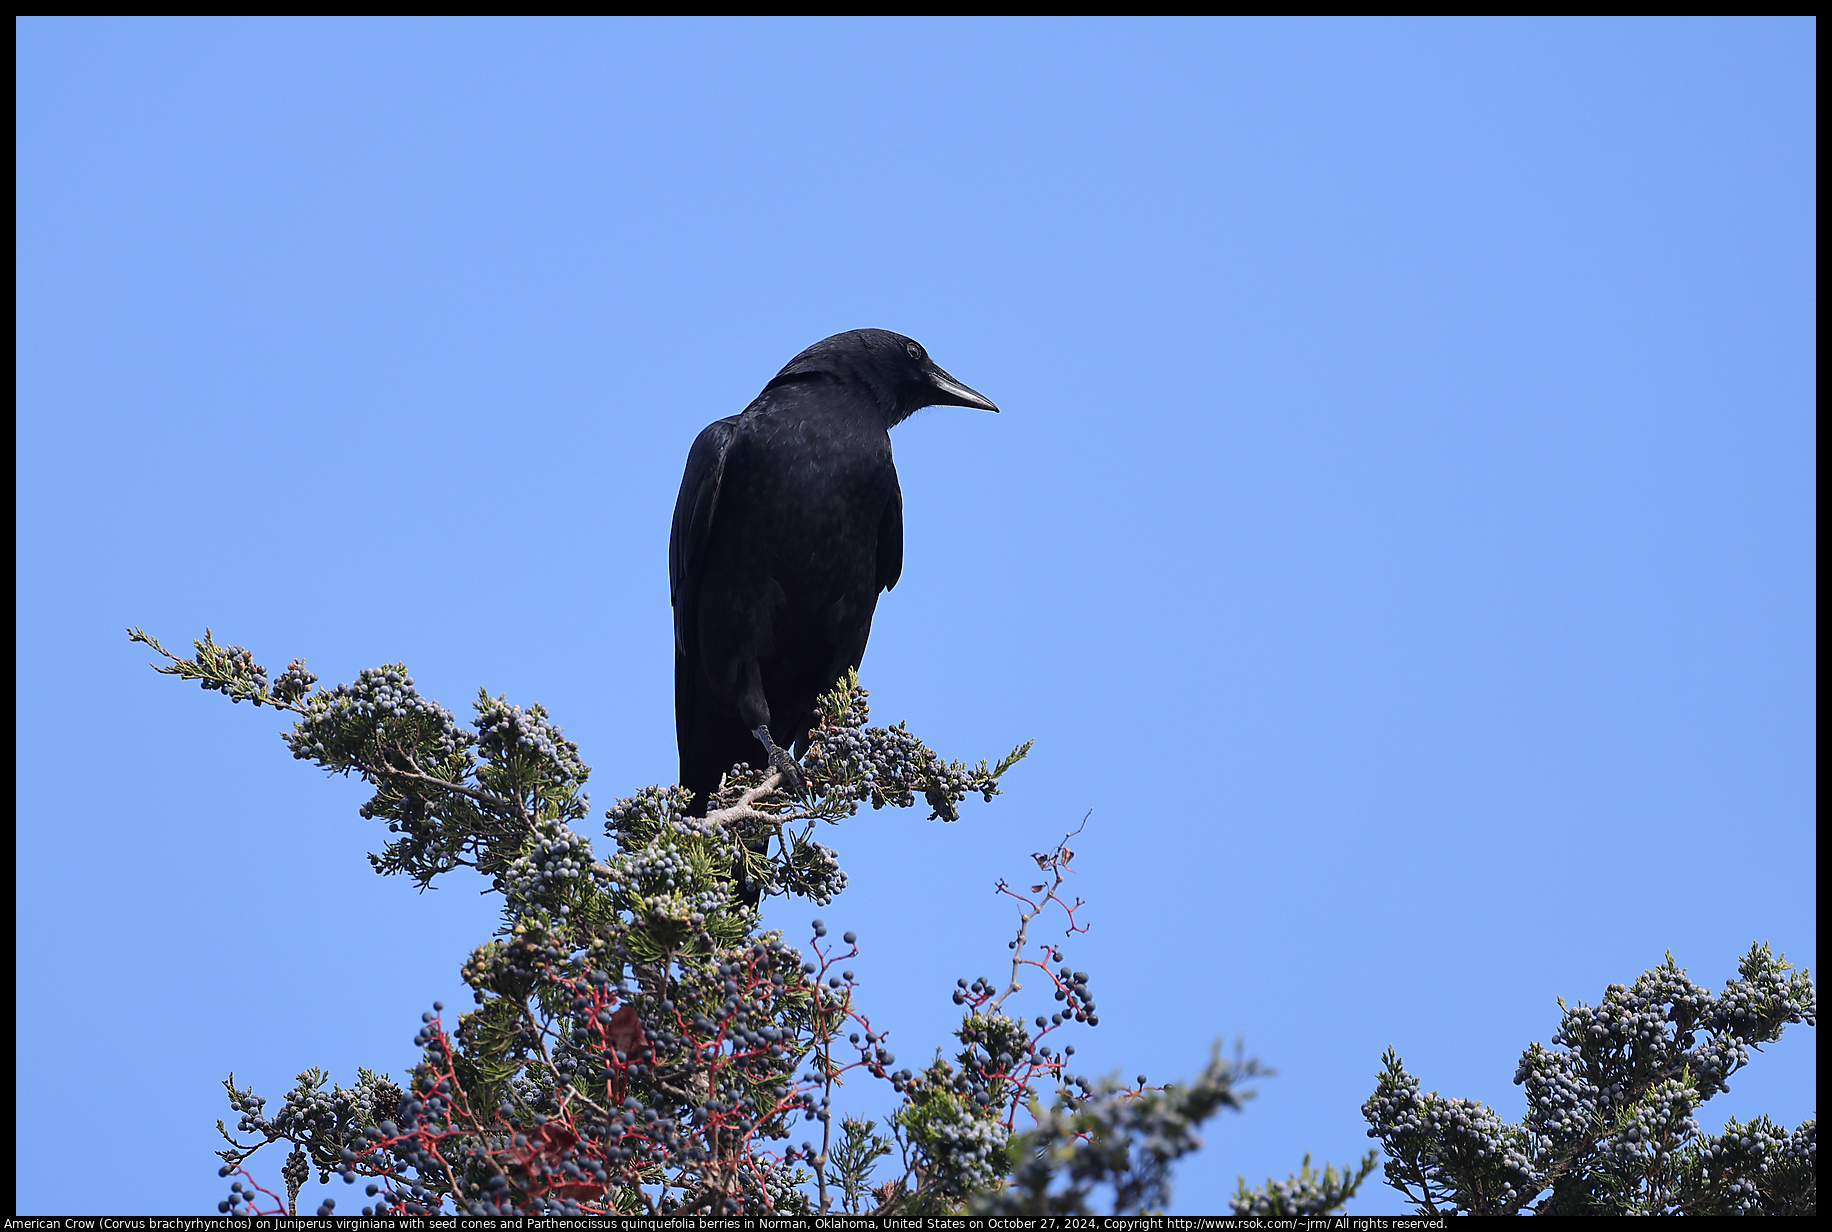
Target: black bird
[[788, 525]]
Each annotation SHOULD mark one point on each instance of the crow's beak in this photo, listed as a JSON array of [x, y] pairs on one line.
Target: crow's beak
[[950, 392]]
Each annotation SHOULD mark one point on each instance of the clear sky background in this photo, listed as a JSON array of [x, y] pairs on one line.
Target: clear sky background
[[1399, 532]]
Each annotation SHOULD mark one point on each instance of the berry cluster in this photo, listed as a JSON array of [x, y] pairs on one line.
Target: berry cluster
[[695, 1078], [674, 876], [812, 871], [1758, 1168], [1461, 1148], [1072, 990], [238, 664], [294, 683], [635, 820], [341, 727], [525, 744], [849, 763], [547, 875], [320, 1123]]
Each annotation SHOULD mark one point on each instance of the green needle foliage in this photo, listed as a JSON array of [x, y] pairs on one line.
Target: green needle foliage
[[1304, 1192], [638, 1045], [1610, 1128]]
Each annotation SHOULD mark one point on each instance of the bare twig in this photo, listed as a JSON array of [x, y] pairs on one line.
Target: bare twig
[[1057, 863]]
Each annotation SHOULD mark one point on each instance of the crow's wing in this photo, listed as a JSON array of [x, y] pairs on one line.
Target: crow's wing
[[694, 511], [890, 538]]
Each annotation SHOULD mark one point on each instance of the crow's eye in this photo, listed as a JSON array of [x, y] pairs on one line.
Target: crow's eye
[[914, 350]]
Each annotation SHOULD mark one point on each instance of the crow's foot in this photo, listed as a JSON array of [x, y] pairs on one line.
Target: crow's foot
[[792, 777], [782, 762]]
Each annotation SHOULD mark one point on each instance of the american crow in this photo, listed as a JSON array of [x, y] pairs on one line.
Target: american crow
[[788, 524]]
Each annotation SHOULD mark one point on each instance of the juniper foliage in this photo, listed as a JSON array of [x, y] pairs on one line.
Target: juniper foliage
[[1304, 1192], [1610, 1126], [638, 1045]]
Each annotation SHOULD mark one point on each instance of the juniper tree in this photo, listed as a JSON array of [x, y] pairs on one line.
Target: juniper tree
[[1610, 1126], [638, 1044]]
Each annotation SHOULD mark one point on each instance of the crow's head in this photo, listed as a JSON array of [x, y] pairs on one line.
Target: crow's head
[[893, 371]]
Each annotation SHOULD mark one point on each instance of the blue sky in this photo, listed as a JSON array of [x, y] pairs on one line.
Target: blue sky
[[1398, 532]]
